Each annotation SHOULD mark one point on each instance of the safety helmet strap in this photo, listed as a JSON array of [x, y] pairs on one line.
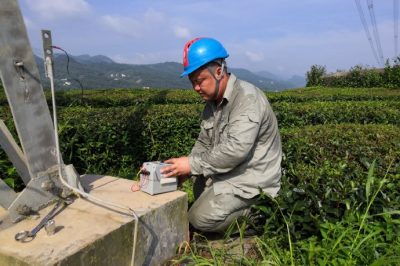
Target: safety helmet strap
[[217, 79]]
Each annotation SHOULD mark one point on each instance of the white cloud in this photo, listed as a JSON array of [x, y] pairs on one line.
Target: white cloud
[[154, 16], [123, 25], [254, 56], [297, 52], [54, 9], [182, 32], [120, 59], [146, 57], [152, 24]]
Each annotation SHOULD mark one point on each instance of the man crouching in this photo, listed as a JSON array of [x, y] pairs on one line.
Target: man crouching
[[238, 151]]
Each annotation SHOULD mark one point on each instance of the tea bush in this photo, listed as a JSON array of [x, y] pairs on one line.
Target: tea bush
[[325, 168], [357, 77], [331, 138], [359, 112], [133, 97], [117, 140]]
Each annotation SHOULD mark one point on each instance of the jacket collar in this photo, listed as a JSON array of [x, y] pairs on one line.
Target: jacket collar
[[229, 87]]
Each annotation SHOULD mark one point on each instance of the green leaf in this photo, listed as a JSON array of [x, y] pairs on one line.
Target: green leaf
[[10, 182], [370, 180]]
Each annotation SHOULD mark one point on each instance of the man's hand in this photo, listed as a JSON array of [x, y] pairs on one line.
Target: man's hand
[[179, 167]]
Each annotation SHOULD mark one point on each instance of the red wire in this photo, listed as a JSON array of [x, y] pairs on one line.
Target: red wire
[[144, 180]]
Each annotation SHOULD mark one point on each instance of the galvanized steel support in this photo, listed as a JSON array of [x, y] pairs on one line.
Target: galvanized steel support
[[21, 81]]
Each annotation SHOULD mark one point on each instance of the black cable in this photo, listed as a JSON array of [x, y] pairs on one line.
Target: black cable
[[72, 78], [375, 29], [396, 26], [364, 23]]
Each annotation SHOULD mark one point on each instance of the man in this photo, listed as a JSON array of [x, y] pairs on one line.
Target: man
[[238, 151]]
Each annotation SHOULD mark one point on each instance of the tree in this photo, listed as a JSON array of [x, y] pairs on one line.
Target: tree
[[314, 76]]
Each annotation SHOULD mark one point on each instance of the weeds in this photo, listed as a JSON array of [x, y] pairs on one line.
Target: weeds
[[360, 238]]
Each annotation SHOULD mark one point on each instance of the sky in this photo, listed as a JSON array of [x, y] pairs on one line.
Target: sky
[[284, 37]]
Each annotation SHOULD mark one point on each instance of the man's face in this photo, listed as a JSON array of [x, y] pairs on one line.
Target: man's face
[[203, 83]]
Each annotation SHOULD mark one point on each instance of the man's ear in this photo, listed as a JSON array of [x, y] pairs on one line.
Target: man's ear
[[219, 73]]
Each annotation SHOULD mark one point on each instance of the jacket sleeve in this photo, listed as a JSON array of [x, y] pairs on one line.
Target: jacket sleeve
[[234, 147], [203, 142]]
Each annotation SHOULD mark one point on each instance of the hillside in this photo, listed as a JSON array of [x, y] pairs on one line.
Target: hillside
[[102, 72]]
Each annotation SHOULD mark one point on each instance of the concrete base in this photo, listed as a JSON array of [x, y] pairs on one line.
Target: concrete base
[[88, 234]]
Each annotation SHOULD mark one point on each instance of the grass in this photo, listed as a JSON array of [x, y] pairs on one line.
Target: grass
[[360, 238]]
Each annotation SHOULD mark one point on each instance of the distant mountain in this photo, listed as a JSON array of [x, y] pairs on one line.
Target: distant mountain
[[102, 72], [260, 81], [106, 74], [294, 82], [87, 59], [268, 75], [297, 81]]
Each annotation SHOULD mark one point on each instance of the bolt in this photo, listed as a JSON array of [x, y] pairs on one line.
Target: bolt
[[47, 185]]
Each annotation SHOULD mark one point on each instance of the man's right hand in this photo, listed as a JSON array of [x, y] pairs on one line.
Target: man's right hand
[[178, 167]]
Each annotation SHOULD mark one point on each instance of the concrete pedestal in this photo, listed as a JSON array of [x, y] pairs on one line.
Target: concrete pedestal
[[88, 234]]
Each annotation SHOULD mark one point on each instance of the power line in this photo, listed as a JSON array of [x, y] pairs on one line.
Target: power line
[[396, 26], [367, 33], [375, 29]]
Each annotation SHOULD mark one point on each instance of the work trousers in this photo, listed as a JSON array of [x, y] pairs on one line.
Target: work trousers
[[215, 213]]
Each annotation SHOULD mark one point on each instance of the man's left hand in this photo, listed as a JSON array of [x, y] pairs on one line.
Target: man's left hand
[[179, 167]]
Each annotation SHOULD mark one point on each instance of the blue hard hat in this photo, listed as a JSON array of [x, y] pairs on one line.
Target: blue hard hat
[[199, 52]]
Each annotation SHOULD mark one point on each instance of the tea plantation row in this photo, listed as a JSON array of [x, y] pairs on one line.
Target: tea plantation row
[[129, 97], [330, 138]]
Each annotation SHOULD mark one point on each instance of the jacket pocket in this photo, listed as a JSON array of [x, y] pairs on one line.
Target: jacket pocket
[[208, 127], [253, 117]]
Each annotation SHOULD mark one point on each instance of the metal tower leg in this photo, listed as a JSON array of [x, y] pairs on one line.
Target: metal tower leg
[[32, 119]]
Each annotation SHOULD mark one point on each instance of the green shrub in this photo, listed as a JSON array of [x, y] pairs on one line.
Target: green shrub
[[118, 140], [124, 97], [134, 97], [325, 168], [314, 75], [335, 94], [391, 74], [359, 112], [365, 78], [324, 165], [359, 77], [111, 140]]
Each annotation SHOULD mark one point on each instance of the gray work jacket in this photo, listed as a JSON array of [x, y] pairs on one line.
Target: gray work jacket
[[239, 145]]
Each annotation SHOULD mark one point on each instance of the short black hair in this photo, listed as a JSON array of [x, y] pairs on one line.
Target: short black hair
[[215, 63]]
